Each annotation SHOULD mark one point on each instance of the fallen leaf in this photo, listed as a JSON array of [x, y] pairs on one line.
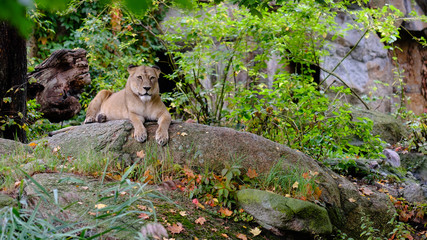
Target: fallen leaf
[[225, 212], [214, 230], [305, 175], [198, 204], [241, 236], [144, 216], [288, 195], [252, 173], [33, 145], [224, 235], [85, 187], [175, 228], [256, 231], [183, 213], [366, 191], [100, 206], [200, 220], [295, 185], [56, 149], [351, 200], [141, 207], [140, 154], [184, 134], [92, 213], [172, 210]]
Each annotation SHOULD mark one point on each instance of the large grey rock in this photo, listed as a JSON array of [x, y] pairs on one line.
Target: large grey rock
[[392, 157], [200, 146], [275, 211], [9, 146], [6, 201], [417, 164], [413, 192], [390, 129], [367, 63]]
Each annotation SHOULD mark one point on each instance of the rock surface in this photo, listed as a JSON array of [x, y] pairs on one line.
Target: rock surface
[[200, 146], [369, 69], [275, 211], [9, 146], [390, 129]]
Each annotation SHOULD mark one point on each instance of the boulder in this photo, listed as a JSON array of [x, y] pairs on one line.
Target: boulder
[[390, 129], [9, 146], [413, 192], [392, 157], [199, 146], [6, 201], [273, 211]]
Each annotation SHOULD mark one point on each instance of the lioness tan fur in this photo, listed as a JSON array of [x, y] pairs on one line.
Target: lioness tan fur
[[138, 101]]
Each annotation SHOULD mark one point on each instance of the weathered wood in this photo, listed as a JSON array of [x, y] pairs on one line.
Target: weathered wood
[[59, 81]]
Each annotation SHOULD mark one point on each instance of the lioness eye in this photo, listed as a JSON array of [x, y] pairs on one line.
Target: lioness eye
[[139, 77], [152, 78]]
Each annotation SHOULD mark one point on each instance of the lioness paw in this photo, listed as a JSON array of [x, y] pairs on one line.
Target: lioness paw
[[162, 137], [140, 136], [89, 120]]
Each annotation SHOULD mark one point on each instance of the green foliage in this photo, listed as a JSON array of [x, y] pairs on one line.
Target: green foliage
[[417, 139], [223, 41], [293, 112], [292, 181]]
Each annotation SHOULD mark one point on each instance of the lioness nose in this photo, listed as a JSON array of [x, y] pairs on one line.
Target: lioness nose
[[147, 88]]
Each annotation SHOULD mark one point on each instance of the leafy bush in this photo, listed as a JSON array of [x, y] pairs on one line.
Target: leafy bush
[[295, 113]]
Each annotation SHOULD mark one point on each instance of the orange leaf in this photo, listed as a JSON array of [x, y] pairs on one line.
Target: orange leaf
[[225, 212], [252, 173], [224, 235], [200, 220], [241, 236], [176, 228], [147, 176], [306, 175], [317, 192], [140, 154], [33, 145]]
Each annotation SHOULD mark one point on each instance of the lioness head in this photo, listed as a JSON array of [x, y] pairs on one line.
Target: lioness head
[[143, 81]]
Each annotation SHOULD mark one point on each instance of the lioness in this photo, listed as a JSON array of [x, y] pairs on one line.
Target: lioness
[[138, 102]]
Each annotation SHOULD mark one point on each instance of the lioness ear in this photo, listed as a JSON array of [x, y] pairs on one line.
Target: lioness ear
[[157, 70], [132, 68]]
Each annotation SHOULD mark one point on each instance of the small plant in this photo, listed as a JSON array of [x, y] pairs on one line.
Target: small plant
[[117, 202], [292, 182]]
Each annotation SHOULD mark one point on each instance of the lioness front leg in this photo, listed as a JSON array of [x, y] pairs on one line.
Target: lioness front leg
[[162, 135], [140, 133]]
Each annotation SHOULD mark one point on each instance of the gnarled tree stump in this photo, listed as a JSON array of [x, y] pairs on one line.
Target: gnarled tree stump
[[59, 81]]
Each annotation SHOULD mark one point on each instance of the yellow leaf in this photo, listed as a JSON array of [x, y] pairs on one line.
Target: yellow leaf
[[256, 231], [295, 185], [100, 206], [183, 213]]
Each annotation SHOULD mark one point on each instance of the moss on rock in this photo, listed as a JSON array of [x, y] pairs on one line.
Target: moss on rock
[[285, 214]]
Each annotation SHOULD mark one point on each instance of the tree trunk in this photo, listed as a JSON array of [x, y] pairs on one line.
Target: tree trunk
[[13, 83], [59, 81]]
